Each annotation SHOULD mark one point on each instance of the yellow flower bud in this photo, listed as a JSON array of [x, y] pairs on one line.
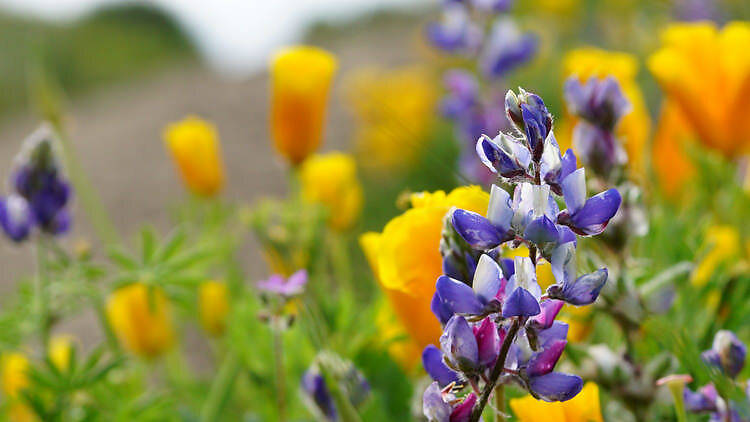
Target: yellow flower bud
[[59, 351], [140, 319], [214, 306], [300, 81], [15, 367], [194, 146], [331, 180]]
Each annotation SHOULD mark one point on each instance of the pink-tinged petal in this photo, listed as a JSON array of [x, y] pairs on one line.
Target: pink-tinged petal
[[462, 412], [558, 331], [550, 309], [488, 341]]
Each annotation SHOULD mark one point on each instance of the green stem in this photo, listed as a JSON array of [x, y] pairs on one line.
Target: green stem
[[221, 389], [340, 261], [500, 403], [280, 375], [41, 305], [101, 314], [90, 200]]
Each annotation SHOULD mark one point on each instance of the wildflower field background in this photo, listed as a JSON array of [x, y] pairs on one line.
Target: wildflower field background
[[451, 211]]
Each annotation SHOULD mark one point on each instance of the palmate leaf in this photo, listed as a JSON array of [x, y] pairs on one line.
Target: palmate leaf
[[148, 244]]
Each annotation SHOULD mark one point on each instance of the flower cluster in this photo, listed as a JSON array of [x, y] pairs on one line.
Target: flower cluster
[[497, 51], [40, 194], [499, 327], [727, 354]]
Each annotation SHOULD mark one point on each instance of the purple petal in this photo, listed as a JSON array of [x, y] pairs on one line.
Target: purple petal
[[462, 412], [558, 331], [16, 218], [520, 303], [508, 267], [476, 230], [457, 296], [583, 291], [544, 361], [487, 279], [442, 311], [563, 263], [699, 401], [314, 386], [568, 164], [550, 309], [274, 284], [433, 405], [731, 352], [541, 231], [593, 218], [488, 342], [295, 284], [432, 360], [459, 344], [556, 386]]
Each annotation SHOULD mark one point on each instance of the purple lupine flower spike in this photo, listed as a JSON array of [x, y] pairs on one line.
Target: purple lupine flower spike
[[455, 32], [506, 48], [463, 92], [16, 217], [497, 6], [598, 101]]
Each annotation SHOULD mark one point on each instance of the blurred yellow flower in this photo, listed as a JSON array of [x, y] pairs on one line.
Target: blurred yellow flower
[[300, 80], [140, 319], [213, 303], [634, 128], [59, 351], [584, 407], [723, 246], [393, 335], [406, 260], [579, 322], [15, 367], [705, 73], [394, 110], [556, 7], [194, 146], [331, 180]]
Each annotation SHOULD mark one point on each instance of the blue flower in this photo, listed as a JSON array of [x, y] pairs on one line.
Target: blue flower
[[586, 217], [16, 218], [480, 298], [578, 291]]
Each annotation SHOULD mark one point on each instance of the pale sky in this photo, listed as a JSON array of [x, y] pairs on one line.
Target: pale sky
[[234, 35]]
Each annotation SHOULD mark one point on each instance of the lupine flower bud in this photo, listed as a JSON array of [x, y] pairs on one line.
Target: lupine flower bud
[[460, 346], [16, 218], [513, 109], [727, 353]]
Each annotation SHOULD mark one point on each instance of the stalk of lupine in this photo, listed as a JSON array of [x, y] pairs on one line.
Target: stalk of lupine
[[140, 318], [213, 304], [300, 81], [194, 146], [38, 179]]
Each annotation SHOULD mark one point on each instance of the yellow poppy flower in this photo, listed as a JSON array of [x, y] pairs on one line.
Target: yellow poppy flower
[[300, 80], [584, 407], [406, 261], [671, 162], [194, 146], [394, 111], [705, 73], [15, 367], [723, 246], [544, 275], [140, 319], [331, 180], [60, 348], [634, 128], [213, 303]]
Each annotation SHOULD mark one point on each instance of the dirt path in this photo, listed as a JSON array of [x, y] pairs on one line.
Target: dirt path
[[117, 132]]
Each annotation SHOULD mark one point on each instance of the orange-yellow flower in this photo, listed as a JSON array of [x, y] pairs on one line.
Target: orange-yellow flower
[[194, 146], [394, 110], [60, 348], [15, 378], [634, 127], [300, 80], [331, 180], [705, 73], [213, 303], [671, 162], [406, 261], [140, 318], [584, 407]]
